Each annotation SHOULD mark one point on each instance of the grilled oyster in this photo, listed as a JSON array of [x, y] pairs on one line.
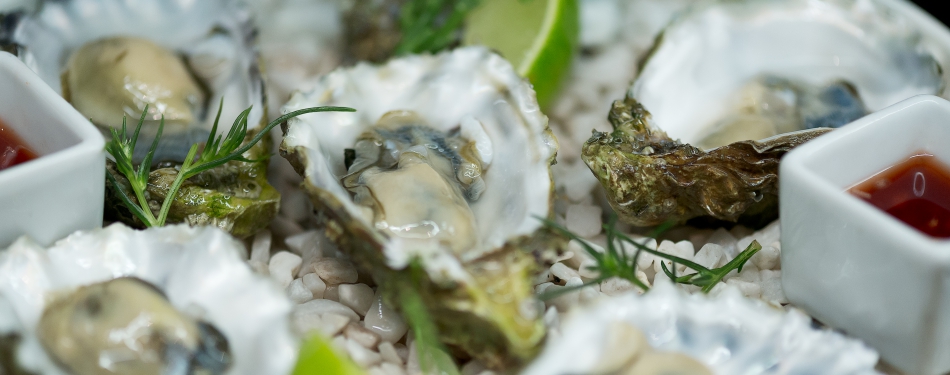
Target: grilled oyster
[[447, 161], [180, 59], [170, 300], [729, 87]]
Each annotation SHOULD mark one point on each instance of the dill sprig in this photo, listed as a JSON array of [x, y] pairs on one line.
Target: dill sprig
[[431, 25], [614, 261], [217, 151]]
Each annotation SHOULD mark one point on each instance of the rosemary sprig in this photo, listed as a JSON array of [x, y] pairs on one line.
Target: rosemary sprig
[[431, 25], [217, 151], [615, 262]]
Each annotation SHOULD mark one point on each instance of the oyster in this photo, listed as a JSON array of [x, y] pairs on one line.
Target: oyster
[[730, 86], [726, 332], [180, 59], [171, 300], [447, 161]]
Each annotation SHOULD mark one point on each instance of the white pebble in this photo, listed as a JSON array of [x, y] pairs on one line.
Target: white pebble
[[315, 284], [563, 272], [580, 255], [298, 292], [541, 288], [259, 267], [304, 323], [389, 354], [387, 368], [304, 243], [584, 220], [749, 273], [645, 260], [335, 271], [748, 289], [723, 238], [333, 324], [402, 350], [295, 205], [361, 335], [768, 258], [562, 302], [332, 293], [772, 287], [709, 255], [260, 247], [771, 233], [356, 296], [668, 247], [542, 277], [551, 318], [473, 367], [283, 266], [325, 306], [412, 362], [386, 322], [616, 286], [362, 356], [588, 269]]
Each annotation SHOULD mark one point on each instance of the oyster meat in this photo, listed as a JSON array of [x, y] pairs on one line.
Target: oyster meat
[[730, 86], [170, 300], [114, 58], [447, 162]]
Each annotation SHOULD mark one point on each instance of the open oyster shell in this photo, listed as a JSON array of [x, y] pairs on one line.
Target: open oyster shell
[[110, 58], [479, 292], [201, 271], [727, 332], [765, 68]]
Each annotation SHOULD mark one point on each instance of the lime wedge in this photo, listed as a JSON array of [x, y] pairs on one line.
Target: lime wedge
[[538, 37], [317, 357]]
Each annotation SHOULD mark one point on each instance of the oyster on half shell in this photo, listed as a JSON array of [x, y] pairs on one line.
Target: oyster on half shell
[[180, 59], [730, 86], [446, 161], [170, 300]]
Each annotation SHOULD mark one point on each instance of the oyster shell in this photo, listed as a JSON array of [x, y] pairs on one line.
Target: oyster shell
[[112, 58], [728, 333], [741, 79], [201, 271], [453, 119]]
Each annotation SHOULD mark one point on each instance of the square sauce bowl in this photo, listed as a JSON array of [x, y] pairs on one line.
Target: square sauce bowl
[[854, 266], [62, 189]]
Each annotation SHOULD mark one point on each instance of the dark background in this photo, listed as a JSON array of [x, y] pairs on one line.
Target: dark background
[[938, 8]]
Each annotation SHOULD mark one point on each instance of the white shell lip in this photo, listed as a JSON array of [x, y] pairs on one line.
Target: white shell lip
[[446, 90], [729, 333], [866, 42], [58, 28], [199, 269]]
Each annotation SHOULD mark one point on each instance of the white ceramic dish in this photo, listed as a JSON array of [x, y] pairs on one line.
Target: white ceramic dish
[[62, 190], [852, 265]]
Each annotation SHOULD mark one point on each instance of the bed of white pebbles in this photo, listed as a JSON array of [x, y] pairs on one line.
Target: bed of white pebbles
[[335, 299]]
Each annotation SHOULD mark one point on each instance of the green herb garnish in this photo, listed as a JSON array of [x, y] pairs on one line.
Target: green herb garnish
[[431, 25], [217, 151], [433, 357], [615, 262]]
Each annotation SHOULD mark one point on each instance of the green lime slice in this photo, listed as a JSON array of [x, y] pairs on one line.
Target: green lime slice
[[538, 37], [317, 357]]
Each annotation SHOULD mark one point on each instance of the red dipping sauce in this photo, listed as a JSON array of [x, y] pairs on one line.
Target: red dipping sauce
[[915, 191], [13, 150]]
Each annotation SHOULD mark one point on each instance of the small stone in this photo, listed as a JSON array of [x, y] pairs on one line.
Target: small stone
[[473, 367], [709, 255], [333, 324], [748, 289], [543, 277], [412, 362], [560, 271], [389, 354], [332, 293], [768, 258], [335, 271], [668, 247], [364, 357], [392, 369], [325, 306], [260, 247], [750, 273], [580, 255], [385, 322], [259, 267], [541, 288], [584, 220], [298, 292], [402, 350], [361, 335], [725, 239], [315, 284], [616, 286], [551, 317], [305, 323], [304, 242], [588, 269], [284, 227], [772, 287], [645, 260], [339, 343], [356, 296], [283, 266]]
